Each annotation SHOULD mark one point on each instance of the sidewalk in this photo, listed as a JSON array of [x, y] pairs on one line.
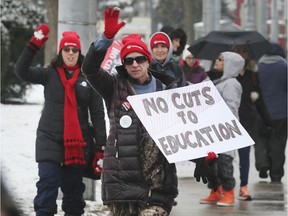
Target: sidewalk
[[268, 198]]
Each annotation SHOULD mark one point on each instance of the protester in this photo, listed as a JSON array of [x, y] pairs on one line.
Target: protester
[[270, 148], [193, 72], [161, 48], [179, 39], [64, 141], [251, 106], [228, 66], [137, 179]]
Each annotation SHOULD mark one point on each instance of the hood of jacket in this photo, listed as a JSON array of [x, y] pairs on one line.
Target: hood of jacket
[[170, 50], [233, 64]]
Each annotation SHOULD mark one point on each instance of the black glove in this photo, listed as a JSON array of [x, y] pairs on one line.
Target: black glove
[[207, 172], [198, 172]]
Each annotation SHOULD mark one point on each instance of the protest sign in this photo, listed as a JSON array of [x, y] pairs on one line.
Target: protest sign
[[112, 57], [188, 122]]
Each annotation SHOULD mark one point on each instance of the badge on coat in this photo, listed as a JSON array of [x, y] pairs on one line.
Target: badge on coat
[[126, 106], [84, 84], [125, 121]]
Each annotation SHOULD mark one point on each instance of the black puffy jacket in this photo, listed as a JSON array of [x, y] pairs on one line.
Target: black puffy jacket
[[49, 140], [122, 178]]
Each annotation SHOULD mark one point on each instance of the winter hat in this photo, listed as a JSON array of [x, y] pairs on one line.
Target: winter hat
[[70, 39], [159, 38], [278, 50], [134, 43], [176, 33], [186, 53]]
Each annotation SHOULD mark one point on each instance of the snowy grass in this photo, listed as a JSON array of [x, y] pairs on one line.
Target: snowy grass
[[18, 167]]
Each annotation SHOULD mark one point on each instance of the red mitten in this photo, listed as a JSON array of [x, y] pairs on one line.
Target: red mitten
[[98, 163], [39, 37], [211, 157], [111, 18]]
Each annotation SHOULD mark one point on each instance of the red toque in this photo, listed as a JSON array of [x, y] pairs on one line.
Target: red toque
[[70, 39], [159, 38], [134, 43]]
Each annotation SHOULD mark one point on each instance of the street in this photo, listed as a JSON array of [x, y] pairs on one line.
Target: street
[[268, 198]]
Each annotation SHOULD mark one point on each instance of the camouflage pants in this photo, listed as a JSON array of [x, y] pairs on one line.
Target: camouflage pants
[[134, 209], [153, 211]]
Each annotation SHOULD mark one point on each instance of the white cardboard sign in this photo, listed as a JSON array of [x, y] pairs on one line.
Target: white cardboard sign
[[188, 122]]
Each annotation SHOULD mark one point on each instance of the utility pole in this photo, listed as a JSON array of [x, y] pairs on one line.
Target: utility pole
[[262, 18], [79, 16], [274, 21], [249, 9], [211, 15]]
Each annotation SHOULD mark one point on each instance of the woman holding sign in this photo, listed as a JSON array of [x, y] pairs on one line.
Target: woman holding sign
[[137, 179]]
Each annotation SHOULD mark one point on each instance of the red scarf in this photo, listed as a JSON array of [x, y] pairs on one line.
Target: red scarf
[[73, 139]]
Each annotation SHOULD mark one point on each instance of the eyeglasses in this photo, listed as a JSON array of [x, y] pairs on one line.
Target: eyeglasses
[[68, 49], [138, 59], [190, 58]]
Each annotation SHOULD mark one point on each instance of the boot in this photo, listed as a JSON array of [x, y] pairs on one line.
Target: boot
[[228, 199], [244, 194], [213, 197]]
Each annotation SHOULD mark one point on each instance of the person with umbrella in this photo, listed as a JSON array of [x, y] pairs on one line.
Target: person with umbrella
[[251, 106], [228, 65], [215, 42]]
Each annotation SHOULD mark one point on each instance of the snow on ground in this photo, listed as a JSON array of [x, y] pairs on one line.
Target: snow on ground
[[18, 166]]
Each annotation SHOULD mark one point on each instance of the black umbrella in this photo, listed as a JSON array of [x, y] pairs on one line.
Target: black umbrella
[[215, 42]]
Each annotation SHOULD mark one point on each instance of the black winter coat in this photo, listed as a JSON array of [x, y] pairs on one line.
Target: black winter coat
[[122, 178], [50, 131], [250, 110]]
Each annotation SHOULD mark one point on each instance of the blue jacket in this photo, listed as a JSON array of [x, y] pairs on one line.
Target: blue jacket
[[273, 82]]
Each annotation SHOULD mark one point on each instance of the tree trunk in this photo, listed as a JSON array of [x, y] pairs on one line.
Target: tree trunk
[[52, 16]]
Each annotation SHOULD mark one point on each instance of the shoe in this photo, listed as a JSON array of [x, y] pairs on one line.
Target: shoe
[[213, 197], [228, 199], [263, 173], [244, 194], [275, 180]]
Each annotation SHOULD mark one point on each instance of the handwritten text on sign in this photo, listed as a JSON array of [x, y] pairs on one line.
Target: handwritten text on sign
[[188, 122]]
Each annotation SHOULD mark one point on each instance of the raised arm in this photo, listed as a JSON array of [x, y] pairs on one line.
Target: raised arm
[[99, 79]]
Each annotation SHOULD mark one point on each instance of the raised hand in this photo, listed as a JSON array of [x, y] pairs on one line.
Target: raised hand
[[111, 19], [39, 37]]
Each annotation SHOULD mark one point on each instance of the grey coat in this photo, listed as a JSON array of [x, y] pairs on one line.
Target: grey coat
[[228, 86]]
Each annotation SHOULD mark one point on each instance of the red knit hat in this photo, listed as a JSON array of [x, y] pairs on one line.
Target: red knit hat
[[70, 39], [159, 38], [134, 43]]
